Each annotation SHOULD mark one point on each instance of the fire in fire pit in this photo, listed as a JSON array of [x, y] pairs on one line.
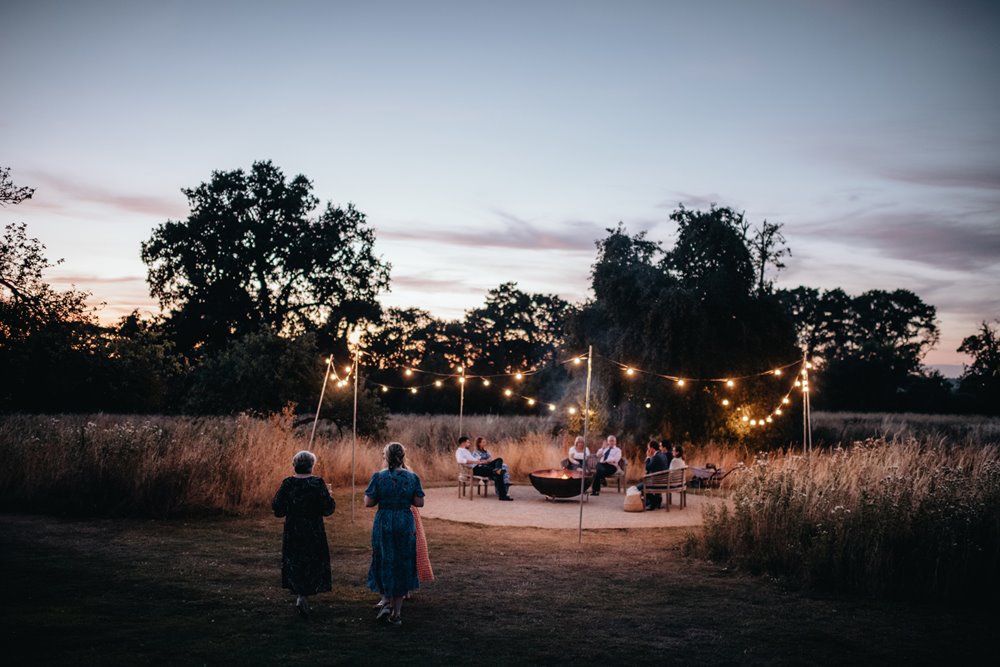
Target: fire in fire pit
[[558, 483]]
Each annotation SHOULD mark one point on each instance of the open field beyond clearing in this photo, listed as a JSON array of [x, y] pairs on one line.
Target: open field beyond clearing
[[208, 591]]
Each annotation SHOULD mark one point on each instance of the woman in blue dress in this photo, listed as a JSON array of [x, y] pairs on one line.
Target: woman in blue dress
[[393, 572]]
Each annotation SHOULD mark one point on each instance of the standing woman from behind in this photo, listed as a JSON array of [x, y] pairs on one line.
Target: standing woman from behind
[[393, 571], [304, 499]]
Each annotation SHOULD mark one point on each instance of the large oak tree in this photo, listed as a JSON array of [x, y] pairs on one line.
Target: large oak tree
[[253, 256]]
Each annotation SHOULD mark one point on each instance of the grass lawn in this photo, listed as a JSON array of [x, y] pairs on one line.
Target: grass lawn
[[207, 591]]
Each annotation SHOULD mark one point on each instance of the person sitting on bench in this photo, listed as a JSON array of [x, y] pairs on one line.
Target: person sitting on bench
[[608, 457], [491, 468]]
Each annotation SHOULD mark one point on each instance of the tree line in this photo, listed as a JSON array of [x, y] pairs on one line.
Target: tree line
[[261, 283]]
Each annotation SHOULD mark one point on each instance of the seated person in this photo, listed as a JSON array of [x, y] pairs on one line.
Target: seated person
[[678, 460], [667, 448], [483, 454], [492, 468], [608, 457], [656, 461], [577, 455]]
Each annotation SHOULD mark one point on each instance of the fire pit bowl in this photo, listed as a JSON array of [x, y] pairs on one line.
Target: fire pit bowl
[[559, 483]]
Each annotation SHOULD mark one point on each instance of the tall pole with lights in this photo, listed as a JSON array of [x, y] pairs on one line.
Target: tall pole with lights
[[322, 392], [461, 398], [354, 339], [586, 418], [806, 407]]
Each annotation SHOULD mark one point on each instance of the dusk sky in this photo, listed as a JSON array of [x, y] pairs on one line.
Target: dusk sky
[[496, 141]]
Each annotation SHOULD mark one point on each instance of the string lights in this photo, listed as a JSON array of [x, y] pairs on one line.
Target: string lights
[[509, 392]]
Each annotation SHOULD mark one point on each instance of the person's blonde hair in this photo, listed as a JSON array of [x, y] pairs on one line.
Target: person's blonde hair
[[394, 454]]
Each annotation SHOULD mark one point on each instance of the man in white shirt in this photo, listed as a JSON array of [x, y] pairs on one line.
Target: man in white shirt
[[608, 457], [492, 468]]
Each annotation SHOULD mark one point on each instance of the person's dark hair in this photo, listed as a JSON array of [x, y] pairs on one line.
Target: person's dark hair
[[303, 462], [653, 444], [464, 439], [479, 442], [679, 450], [394, 455], [666, 444]]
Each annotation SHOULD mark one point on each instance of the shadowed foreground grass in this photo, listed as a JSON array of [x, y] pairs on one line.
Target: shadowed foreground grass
[[207, 592]]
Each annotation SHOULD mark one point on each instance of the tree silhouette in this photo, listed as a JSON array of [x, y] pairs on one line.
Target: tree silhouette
[[981, 378], [250, 257]]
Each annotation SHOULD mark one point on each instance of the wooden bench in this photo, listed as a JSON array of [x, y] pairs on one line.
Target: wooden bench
[[466, 478], [667, 482]]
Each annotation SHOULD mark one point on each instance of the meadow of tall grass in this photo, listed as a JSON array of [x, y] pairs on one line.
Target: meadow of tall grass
[[165, 466], [903, 517], [895, 514]]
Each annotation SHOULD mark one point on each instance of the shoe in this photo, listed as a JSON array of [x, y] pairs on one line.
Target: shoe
[[395, 620], [595, 493], [302, 606], [506, 498], [383, 611]]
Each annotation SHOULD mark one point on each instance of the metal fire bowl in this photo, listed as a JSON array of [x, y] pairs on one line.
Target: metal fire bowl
[[551, 483]]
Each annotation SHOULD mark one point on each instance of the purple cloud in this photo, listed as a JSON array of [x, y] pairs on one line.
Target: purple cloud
[[512, 232], [75, 191]]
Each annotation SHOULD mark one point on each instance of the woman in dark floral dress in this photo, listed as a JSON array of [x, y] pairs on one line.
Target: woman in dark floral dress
[[304, 500], [393, 571]]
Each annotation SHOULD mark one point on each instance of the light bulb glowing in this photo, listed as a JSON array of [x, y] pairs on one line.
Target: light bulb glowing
[[342, 383], [413, 390], [809, 364], [507, 392], [753, 422], [777, 371], [531, 401], [572, 411], [385, 390], [649, 405], [768, 420], [777, 411], [518, 376], [551, 407], [486, 383], [725, 401], [680, 383], [730, 383], [578, 360], [745, 418], [805, 372], [461, 380], [786, 400], [629, 371], [798, 384], [438, 383], [347, 369], [407, 372], [461, 369]]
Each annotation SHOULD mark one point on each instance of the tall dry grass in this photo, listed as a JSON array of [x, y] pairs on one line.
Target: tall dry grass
[[164, 466], [915, 518]]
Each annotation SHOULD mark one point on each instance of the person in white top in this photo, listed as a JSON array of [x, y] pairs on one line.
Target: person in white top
[[678, 460], [577, 454], [608, 457], [492, 468]]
